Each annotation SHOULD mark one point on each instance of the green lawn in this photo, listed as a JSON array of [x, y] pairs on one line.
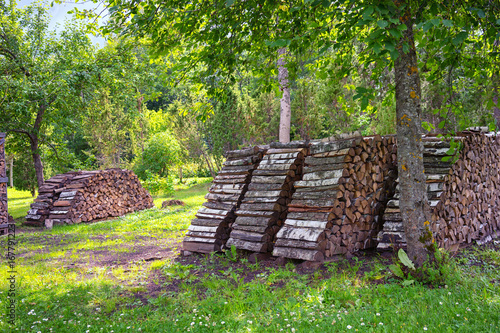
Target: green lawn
[[125, 275], [19, 202]]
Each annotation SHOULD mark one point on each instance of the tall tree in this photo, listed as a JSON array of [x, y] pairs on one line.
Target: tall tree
[[40, 74]]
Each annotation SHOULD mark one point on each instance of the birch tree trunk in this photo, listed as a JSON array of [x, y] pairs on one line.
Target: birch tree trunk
[[414, 203], [286, 112]]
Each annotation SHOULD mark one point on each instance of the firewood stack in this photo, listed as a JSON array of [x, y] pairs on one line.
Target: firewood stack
[[336, 205], [264, 206], [87, 196], [468, 208], [210, 229], [4, 213], [462, 196], [47, 195]]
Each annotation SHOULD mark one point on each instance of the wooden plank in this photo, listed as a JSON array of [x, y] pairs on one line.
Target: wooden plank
[[334, 145], [222, 197], [314, 183], [232, 154], [273, 206], [325, 167], [257, 221], [256, 213], [244, 245], [312, 202], [276, 167], [193, 227], [341, 152], [199, 240], [307, 234], [268, 187], [286, 172], [210, 211], [259, 194], [206, 222], [306, 224], [284, 150], [201, 234], [250, 228], [297, 244], [282, 156], [4, 179], [303, 254], [243, 161], [308, 216], [317, 188], [292, 144], [219, 205], [250, 236], [315, 195], [321, 175], [199, 247], [318, 161], [269, 180], [275, 162]]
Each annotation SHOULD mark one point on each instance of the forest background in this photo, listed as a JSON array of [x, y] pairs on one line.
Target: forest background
[[68, 105]]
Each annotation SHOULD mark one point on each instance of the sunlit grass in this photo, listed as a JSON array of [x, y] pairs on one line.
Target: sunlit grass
[[18, 202]]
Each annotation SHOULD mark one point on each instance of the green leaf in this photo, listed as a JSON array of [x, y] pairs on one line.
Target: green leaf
[[396, 270], [402, 27], [367, 12], [406, 283], [435, 22], [395, 33], [376, 48], [382, 23], [441, 124], [405, 260], [446, 158], [448, 23], [390, 46], [460, 38], [427, 26], [364, 103], [480, 13]]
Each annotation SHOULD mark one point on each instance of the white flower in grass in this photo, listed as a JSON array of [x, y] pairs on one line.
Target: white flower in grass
[[425, 328], [192, 323], [381, 323], [378, 314], [349, 327], [362, 324]]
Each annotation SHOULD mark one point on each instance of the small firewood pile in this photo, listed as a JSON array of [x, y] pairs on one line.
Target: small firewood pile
[[210, 229], [463, 196], [4, 214], [85, 196], [264, 206], [336, 205]]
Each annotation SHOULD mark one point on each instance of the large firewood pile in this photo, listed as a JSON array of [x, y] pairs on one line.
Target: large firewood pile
[[336, 205], [210, 229], [85, 196], [4, 214], [463, 196], [264, 206]]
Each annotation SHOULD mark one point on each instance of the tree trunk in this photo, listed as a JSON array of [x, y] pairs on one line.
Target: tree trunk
[[286, 113], [11, 171], [496, 82], [37, 161], [180, 174], [414, 204]]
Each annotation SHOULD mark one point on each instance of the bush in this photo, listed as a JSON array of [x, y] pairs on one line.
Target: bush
[[156, 184]]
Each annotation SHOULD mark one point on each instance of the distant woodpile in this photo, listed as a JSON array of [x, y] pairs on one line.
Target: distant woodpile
[[4, 214], [311, 200], [85, 196]]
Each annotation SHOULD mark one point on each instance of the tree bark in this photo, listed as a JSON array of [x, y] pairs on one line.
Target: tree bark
[[11, 171], [37, 161], [414, 204], [285, 113]]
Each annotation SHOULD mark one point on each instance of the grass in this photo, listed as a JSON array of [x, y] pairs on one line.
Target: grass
[[19, 202], [89, 278]]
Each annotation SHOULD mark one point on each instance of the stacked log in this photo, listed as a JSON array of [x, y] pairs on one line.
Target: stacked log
[[468, 208], [436, 171], [210, 229], [4, 213], [462, 196], [264, 206], [47, 194], [86, 196], [336, 205]]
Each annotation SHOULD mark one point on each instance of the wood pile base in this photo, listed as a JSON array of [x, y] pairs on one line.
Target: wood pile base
[[210, 229], [85, 196], [264, 206]]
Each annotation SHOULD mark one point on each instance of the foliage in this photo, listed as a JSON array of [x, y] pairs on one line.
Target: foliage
[[161, 154], [155, 184]]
